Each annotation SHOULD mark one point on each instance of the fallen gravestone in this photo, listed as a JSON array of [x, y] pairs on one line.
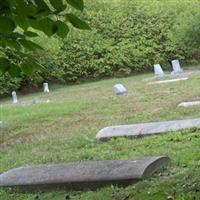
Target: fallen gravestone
[[119, 89], [80, 176], [146, 129], [158, 71], [46, 87], [168, 81], [14, 97], [176, 67], [189, 104]]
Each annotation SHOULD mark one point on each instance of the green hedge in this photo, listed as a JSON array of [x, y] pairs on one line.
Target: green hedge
[[127, 37]]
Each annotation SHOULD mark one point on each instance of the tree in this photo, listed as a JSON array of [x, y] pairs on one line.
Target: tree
[[20, 20]]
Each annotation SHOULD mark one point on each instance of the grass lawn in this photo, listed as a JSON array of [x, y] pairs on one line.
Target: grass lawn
[[64, 131]]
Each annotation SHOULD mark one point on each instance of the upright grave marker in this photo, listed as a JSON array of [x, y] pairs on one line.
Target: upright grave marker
[[119, 89], [46, 87], [176, 67], [1, 125], [158, 71], [14, 97]]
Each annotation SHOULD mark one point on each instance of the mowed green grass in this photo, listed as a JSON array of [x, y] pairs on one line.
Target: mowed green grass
[[64, 131]]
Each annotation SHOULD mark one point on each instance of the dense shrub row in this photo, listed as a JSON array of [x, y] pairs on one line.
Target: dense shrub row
[[126, 37]]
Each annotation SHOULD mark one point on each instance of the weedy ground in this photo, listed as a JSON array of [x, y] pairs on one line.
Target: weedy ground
[[64, 131]]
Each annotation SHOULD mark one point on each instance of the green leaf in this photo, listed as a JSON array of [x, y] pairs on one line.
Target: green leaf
[[76, 22], [13, 44], [21, 21], [14, 70], [4, 64], [42, 7], [4, 7], [78, 4], [6, 25], [27, 68], [46, 25], [62, 29], [30, 34], [58, 5], [30, 45], [23, 8]]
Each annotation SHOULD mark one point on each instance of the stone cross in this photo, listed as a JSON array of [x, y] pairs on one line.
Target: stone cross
[[158, 71], [14, 97], [119, 89], [176, 67], [46, 87]]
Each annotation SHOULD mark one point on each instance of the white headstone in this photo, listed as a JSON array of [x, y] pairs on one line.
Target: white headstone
[[14, 97], [46, 87], [1, 124], [158, 71], [176, 67], [119, 89]]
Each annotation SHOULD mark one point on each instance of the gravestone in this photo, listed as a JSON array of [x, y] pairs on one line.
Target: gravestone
[[1, 125], [46, 87], [168, 81], [119, 89], [14, 97], [176, 67], [83, 175], [158, 71], [146, 129], [189, 104]]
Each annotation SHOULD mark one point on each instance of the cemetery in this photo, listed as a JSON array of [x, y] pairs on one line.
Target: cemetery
[[102, 105]]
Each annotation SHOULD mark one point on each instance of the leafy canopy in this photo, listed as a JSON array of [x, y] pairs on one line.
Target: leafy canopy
[[18, 21]]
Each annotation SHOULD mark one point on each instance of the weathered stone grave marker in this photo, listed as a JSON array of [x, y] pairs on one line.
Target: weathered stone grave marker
[[158, 71], [1, 125], [146, 129], [189, 104], [14, 97], [168, 81], [119, 89], [83, 175], [46, 87], [176, 67]]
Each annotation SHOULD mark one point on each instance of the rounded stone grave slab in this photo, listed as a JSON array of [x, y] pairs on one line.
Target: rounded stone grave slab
[[146, 129], [189, 104], [81, 176], [168, 81]]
